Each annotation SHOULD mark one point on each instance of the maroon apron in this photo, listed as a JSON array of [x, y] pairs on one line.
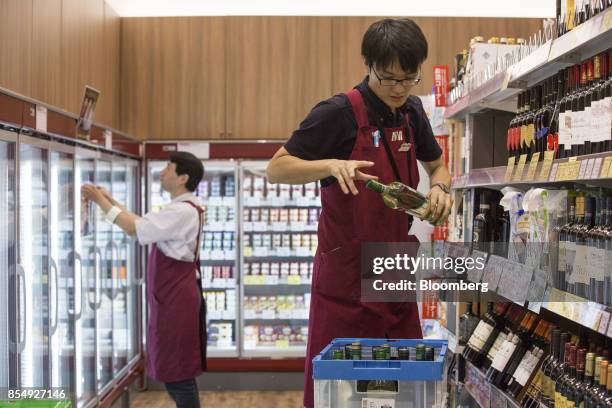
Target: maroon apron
[[176, 340], [345, 222]]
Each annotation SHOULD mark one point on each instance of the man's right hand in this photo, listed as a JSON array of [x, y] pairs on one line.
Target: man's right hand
[[346, 172]]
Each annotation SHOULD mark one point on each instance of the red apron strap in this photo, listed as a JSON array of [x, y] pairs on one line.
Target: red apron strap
[[200, 211], [359, 109]]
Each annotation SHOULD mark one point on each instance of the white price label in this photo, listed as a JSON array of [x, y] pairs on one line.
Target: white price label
[[249, 314], [604, 321], [271, 279], [250, 344], [224, 343], [268, 314], [219, 283], [229, 315], [377, 403]]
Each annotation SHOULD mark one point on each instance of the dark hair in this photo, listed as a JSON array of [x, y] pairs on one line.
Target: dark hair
[[187, 163], [389, 40]]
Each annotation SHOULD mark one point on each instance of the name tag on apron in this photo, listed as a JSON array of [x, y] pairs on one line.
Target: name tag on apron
[[404, 147]]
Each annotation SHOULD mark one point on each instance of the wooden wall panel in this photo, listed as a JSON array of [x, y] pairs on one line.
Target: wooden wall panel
[[46, 51], [75, 53], [278, 68], [15, 45], [173, 77], [111, 64], [446, 36], [50, 49]]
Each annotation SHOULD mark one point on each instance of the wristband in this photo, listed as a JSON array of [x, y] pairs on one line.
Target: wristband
[[443, 187], [112, 214]]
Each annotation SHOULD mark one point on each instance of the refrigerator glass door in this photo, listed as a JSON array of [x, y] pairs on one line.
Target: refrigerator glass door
[[120, 179], [104, 313], [218, 256], [61, 272], [134, 271], [86, 276], [279, 239], [8, 298], [34, 260]]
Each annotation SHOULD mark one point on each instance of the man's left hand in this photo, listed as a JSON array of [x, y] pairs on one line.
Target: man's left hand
[[441, 205]]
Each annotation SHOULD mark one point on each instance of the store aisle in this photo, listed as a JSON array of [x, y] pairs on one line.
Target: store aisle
[[251, 399]]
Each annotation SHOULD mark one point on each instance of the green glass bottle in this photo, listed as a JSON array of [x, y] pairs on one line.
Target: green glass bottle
[[399, 196]]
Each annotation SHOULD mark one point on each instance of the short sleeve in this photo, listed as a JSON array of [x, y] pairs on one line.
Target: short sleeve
[[168, 224], [427, 147], [319, 136]]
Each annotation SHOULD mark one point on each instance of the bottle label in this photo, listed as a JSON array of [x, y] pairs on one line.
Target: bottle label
[[570, 254], [588, 124], [530, 365], [502, 357], [562, 129], [596, 256], [480, 335], [594, 121], [562, 258], [605, 118], [501, 338], [580, 271], [568, 128]]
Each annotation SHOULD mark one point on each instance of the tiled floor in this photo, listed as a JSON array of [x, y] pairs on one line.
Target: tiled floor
[[239, 399]]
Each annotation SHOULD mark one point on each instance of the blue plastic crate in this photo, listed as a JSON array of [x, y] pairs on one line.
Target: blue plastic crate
[[324, 368]]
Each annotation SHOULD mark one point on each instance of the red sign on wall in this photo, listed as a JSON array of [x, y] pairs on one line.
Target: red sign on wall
[[441, 84]]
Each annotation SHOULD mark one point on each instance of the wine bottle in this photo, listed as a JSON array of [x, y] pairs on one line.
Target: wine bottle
[[607, 295], [580, 271], [564, 135], [570, 245], [596, 239], [467, 323], [560, 399], [482, 229], [399, 196], [514, 317], [563, 241]]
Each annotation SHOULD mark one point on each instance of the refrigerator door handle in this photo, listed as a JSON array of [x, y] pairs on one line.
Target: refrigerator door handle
[[78, 289], [21, 341], [53, 316], [92, 304], [99, 281], [138, 281]]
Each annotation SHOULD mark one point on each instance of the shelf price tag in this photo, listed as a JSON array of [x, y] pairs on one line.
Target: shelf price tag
[[509, 170], [514, 282], [596, 168], [546, 165], [575, 170], [268, 314], [493, 271], [605, 167], [584, 164], [533, 165], [294, 280], [589, 170], [561, 173], [604, 321], [518, 173], [282, 344]]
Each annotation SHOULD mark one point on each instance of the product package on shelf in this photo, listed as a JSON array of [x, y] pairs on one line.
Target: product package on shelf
[[512, 202]]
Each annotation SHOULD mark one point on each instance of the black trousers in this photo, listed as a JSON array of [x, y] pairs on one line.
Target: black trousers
[[184, 393]]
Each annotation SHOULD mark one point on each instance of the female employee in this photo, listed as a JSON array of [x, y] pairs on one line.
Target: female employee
[[375, 131], [176, 340]]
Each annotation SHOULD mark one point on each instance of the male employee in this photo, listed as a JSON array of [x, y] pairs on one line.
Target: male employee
[[375, 131], [176, 343]]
